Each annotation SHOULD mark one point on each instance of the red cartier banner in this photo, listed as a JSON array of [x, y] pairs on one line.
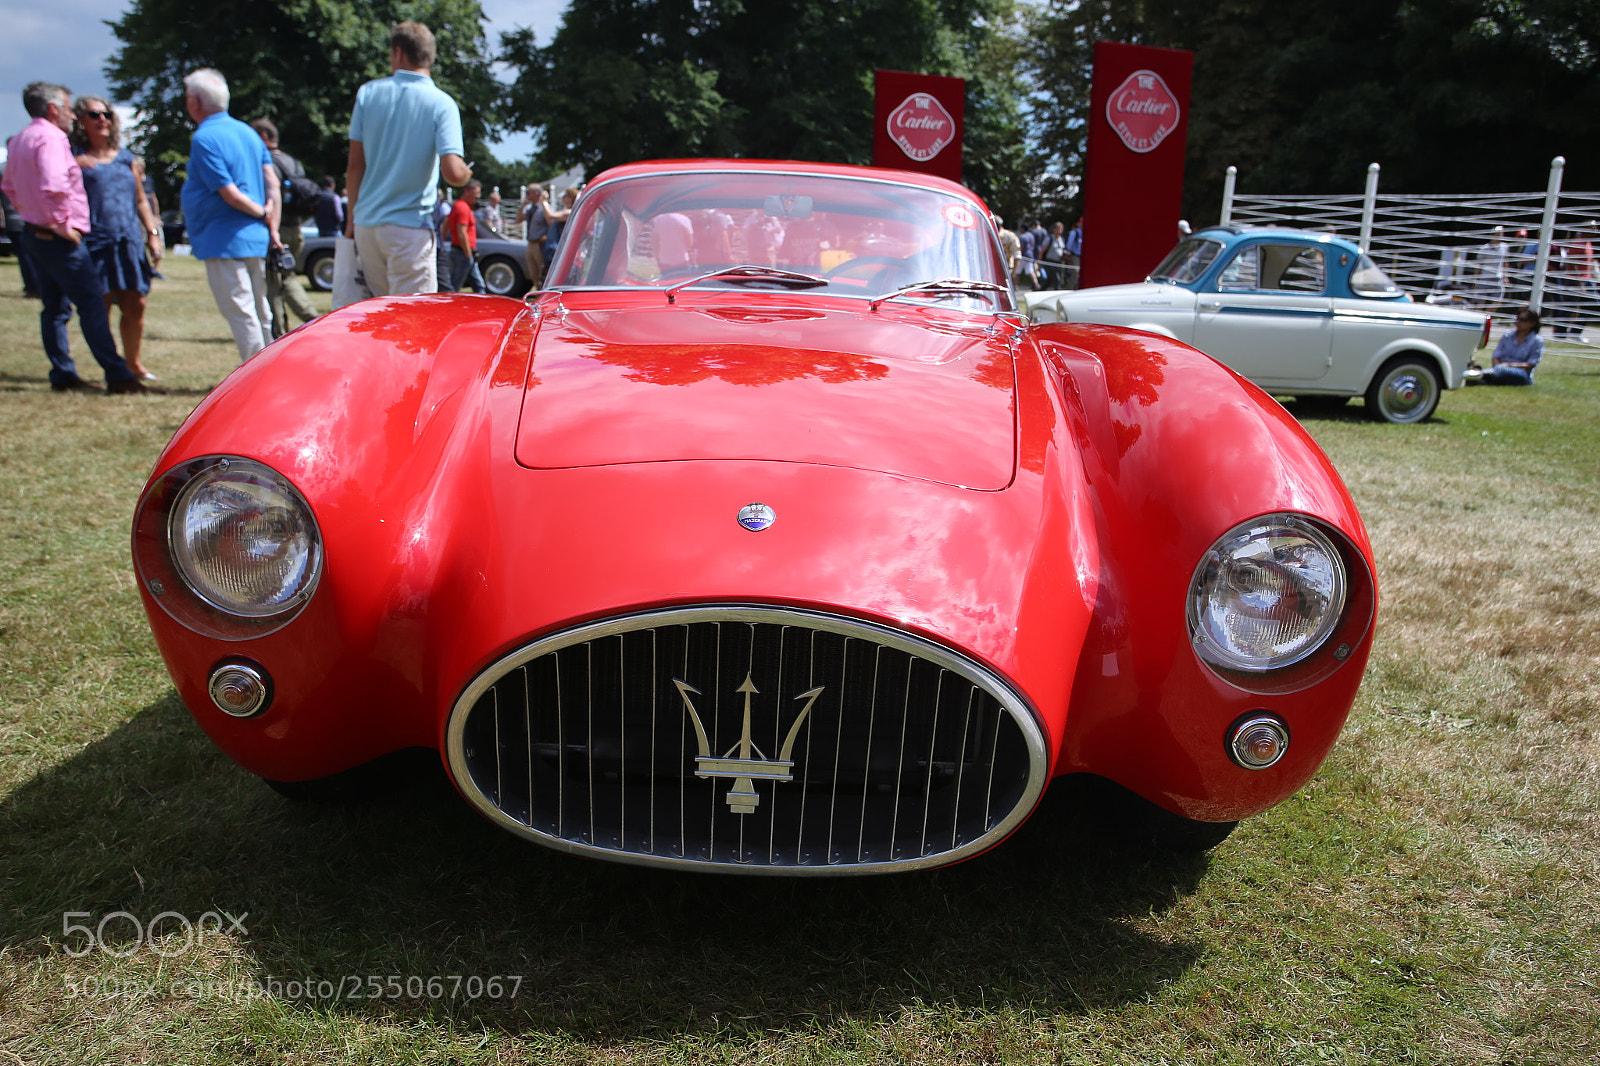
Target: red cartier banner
[[917, 122], [1133, 179]]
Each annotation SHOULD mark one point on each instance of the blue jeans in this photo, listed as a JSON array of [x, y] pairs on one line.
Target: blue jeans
[[464, 270], [1506, 375], [30, 278], [68, 278]]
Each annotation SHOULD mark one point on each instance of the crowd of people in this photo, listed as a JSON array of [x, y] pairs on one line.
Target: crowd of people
[[460, 223], [91, 238], [1038, 258], [1498, 275]]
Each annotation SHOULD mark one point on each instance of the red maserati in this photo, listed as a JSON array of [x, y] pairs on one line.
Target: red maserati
[[769, 538]]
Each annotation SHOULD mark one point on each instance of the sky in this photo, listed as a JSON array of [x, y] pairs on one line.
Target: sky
[[68, 42]]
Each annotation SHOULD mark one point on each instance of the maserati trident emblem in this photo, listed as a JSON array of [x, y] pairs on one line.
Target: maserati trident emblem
[[756, 516], [743, 768]]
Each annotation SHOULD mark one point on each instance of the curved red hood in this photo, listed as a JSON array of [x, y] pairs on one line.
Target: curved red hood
[[903, 390]]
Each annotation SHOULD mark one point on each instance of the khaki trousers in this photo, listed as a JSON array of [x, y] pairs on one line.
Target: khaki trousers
[[286, 292], [397, 260]]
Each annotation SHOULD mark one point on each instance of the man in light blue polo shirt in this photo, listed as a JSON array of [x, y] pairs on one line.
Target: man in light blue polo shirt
[[404, 132], [231, 201]]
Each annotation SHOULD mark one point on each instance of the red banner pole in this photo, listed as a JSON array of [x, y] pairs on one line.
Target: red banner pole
[[917, 122], [1133, 178]]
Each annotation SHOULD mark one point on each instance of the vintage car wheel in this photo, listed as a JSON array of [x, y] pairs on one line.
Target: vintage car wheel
[[501, 276], [319, 269], [1406, 390]]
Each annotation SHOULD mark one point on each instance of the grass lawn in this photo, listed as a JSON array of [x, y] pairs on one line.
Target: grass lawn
[[1432, 897]]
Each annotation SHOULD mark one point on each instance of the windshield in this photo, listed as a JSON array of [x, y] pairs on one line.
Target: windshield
[[1187, 261], [1368, 279], [815, 233]]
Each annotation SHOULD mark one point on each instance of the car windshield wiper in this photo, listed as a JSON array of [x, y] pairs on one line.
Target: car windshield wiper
[[751, 272], [942, 287]]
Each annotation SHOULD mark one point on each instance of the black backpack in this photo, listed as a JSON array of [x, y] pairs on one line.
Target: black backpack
[[299, 192]]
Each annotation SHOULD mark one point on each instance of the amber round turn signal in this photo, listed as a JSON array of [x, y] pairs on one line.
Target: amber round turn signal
[[1258, 741], [239, 689]]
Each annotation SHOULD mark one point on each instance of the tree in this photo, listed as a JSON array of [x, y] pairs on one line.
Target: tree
[[995, 160], [1449, 95], [625, 80], [297, 62]]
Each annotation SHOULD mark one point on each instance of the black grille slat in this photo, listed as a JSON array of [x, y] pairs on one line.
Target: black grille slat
[[903, 757]]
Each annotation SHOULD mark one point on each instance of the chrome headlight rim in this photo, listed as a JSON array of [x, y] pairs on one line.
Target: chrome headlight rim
[[163, 576], [243, 471], [1228, 661]]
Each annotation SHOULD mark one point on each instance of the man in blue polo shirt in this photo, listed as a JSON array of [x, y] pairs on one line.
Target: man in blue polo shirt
[[231, 203], [404, 133]]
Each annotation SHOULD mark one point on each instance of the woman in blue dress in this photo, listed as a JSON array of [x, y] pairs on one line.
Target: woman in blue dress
[[122, 225]]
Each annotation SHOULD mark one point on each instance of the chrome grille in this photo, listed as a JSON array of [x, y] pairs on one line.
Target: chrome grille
[[748, 738]]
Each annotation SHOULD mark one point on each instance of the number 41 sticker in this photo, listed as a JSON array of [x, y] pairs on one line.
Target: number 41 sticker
[[959, 216]]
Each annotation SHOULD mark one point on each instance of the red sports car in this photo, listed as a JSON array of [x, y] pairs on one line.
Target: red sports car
[[770, 538]]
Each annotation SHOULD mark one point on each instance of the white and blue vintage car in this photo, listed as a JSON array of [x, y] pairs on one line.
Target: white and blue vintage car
[[1298, 313]]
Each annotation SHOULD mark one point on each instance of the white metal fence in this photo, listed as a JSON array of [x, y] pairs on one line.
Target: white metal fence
[[1490, 251]]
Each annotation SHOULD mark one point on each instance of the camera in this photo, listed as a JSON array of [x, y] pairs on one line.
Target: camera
[[281, 260]]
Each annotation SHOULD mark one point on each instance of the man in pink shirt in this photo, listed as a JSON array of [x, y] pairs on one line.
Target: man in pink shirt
[[46, 187]]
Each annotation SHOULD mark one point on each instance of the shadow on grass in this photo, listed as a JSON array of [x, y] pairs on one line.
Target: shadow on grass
[[153, 819], [1317, 409], [1324, 409], [10, 382], [184, 338]]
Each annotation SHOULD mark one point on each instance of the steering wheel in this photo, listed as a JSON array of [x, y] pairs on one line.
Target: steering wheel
[[877, 273], [849, 265]]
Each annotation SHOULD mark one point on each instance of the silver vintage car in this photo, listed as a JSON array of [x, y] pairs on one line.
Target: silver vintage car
[[1298, 313]]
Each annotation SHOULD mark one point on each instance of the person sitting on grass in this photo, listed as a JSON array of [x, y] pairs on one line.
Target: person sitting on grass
[[1516, 356]]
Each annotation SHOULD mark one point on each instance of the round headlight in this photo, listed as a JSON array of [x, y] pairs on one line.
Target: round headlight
[[1268, 594], [245, 540]]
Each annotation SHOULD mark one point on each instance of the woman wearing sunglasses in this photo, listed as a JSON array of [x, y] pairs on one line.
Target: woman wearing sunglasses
[[123, 226], [1516, 356]]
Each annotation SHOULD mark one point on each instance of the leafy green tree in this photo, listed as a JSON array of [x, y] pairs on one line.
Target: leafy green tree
[[1449, 95], [625, 80], [995, 159], [297, 62]]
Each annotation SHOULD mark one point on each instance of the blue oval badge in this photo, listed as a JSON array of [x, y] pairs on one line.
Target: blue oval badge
[[756, 516]]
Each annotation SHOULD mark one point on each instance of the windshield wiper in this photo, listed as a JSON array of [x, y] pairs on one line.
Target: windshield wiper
[[751, 272], [942, 287]]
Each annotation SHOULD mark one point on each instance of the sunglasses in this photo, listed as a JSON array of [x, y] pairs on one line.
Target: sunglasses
[[106, 115]]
